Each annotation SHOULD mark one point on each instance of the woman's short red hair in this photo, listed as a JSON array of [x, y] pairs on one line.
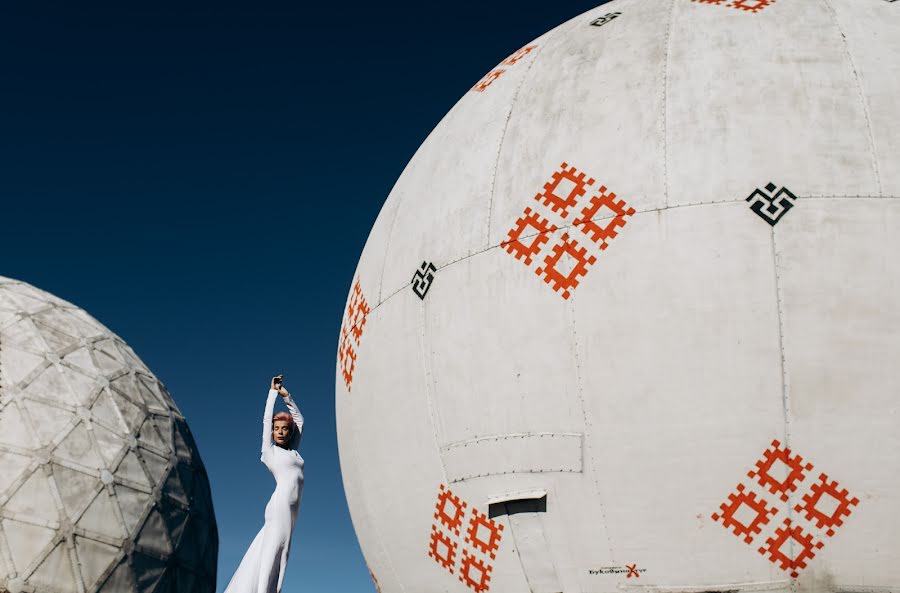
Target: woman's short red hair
[[285, 417]]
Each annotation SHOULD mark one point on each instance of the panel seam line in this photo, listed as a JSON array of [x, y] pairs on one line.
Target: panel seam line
[[859, 92]]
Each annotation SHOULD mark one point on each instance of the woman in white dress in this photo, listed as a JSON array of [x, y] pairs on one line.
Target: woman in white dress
[[263, 566]]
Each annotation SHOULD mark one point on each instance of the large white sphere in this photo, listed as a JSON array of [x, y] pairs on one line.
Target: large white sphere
[[101, 485], [714, 340]]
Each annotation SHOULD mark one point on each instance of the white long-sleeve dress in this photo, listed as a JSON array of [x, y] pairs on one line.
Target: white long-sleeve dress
[[262, 568]]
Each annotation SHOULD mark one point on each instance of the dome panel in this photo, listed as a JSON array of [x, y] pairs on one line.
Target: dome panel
[[48, 420], [33, 499], [148, 572], [76, 489], [109, 444], [785, 109], [156, 465], [12, 466], [94, 558], [876, 65], [100, 518], [130, 470], [16, 364], [50, 386], [132, 504], [13, 429], [154, 536], [150, 437], [122, 579], [56, 571], [77, 448], [26, 542], [105, 412], [81, 359]]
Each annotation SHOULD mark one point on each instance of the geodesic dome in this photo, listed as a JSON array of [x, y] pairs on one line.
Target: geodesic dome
[[101, 485], [630, 318]]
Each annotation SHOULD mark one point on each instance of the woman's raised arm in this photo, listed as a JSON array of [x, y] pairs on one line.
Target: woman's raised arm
[[296, 415], [267, 421]]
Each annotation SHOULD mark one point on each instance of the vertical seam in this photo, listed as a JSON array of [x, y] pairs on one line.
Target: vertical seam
[[429, 392], [785, 399], [387, 247], [512, 107], [665, 104], [859, 92], [542, 49], [587, 458]]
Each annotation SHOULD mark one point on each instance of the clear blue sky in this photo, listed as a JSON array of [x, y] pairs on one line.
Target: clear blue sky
[[201, 177]]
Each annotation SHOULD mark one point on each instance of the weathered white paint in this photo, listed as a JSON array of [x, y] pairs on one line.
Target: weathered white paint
[[699, 336]]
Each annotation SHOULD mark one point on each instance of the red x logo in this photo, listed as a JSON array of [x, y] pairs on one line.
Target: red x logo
[[632, 571]]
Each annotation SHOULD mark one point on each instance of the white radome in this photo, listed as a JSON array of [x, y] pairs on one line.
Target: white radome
[[630, 318], [101, 485]]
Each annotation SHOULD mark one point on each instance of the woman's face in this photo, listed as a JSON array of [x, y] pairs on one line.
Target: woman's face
[[281, 433]]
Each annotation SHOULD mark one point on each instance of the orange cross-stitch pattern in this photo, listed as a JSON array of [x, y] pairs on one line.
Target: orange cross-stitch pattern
[[560, 282], [745, 5], [487, 80], [442, 549], [529, 221], [351, 331], [775, 543], [794, 464], [346, 357], [824, 507], [453, 519], [563, 194], [479, 546], [832, 490], [518, 55], [357, 312], [751, 5], [588, 220], [469, 564], [493, 528], [559, 203], [735, 502]]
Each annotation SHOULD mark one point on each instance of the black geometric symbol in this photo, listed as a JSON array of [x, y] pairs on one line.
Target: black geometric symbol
[[422, 279], [769, 207], [599, 22]]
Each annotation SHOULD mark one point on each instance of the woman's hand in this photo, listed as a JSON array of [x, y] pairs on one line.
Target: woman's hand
[[278, 386], [276, 383]]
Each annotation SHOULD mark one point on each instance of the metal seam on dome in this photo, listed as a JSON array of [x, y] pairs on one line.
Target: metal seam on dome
[[387, 248], [512, 107], [665, 104], [779, 303], [430, 386], [844, 197], [504, 437], [556, 37], [859, 91], [739, 587], [565, 227], [587, 457]]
